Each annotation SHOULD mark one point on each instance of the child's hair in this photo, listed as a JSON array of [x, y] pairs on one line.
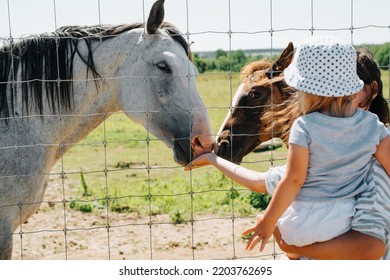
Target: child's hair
[[335, 106]]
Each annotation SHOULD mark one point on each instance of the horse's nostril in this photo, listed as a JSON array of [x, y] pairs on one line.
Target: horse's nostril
[[223, 141], [197, 142], [224, 138], [201, 144]]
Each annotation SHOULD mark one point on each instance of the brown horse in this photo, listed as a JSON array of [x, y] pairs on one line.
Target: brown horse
[[262, 90]]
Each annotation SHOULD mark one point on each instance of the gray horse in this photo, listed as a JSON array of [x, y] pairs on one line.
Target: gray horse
[[56, 88]]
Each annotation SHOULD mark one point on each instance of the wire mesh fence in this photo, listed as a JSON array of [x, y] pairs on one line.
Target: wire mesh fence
[[118, 194]]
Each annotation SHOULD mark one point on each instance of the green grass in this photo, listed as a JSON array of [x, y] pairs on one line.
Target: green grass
[[386, 79], [117, 173]]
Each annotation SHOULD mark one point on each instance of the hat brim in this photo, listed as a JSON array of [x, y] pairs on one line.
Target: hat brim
[[320, 86]]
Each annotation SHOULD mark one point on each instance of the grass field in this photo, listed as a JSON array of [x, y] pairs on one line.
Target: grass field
[[386, 81], [139, 176]]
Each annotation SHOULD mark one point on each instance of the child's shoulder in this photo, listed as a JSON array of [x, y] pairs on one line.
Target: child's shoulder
[[360, 116], [370, 120], [366, 115]]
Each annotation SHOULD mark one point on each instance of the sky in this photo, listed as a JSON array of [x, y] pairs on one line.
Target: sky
[[212, 24]]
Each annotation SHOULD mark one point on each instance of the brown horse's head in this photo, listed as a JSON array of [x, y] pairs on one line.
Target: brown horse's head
[[244, 127]]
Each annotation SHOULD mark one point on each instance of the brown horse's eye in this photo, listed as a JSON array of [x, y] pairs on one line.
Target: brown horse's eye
[[256, 95]]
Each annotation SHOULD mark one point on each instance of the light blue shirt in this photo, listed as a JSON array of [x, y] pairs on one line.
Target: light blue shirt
[[340, 152]]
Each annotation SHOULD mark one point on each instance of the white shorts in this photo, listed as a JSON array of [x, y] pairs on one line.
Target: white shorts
[[308, 222]]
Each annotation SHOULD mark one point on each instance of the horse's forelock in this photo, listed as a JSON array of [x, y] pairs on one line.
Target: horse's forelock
[[255, 66], [178, 37]]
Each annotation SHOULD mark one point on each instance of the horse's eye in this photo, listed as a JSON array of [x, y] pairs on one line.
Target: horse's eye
[[164, 67], [256, 95]]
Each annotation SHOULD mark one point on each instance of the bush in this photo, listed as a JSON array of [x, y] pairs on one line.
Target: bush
[[224, 61], [259, 200]]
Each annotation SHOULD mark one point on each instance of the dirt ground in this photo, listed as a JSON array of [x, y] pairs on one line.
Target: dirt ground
[[130, 237]]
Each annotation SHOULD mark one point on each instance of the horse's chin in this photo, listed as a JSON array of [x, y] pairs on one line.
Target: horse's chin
[[224, 151], [182, 152]]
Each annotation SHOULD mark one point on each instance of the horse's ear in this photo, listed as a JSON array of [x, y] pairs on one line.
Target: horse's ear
[[156, 17], [282, 62]]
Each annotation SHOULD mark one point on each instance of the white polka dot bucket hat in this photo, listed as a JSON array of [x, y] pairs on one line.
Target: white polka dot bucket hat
[[324, 66]]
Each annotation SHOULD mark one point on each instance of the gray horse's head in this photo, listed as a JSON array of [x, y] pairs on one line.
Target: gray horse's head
[[165, 99]]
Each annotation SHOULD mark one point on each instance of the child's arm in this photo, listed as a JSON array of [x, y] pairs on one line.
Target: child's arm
[[383, 154], [255, 181], [285, 193]]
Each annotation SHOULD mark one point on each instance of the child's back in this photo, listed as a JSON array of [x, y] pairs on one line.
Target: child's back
[[341, 150]]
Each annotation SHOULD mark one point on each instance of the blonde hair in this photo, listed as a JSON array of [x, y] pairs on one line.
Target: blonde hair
[[334, 106], [280, 119]]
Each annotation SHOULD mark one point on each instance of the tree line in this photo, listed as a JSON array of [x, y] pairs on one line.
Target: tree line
[[226, 61]]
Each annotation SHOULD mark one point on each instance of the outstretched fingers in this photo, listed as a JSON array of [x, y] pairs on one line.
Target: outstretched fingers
[[200, 161], [255, 239], [193, 166]]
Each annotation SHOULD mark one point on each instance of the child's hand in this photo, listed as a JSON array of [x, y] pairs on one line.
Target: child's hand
[[262, 231], [200, 161]]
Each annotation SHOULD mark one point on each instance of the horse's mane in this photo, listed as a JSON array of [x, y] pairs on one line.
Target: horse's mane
[[283, 115], [45, 61]]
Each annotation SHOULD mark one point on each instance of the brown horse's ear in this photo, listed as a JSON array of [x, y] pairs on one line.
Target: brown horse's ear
[[156, 17], [282, 62]]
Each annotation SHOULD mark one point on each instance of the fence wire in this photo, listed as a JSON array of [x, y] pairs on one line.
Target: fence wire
[[72, 234]]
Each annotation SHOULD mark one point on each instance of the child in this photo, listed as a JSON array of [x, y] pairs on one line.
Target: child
[[371, 222], [330, 150]]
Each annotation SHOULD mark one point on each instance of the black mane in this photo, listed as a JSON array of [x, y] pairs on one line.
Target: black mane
[[46, 62]]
